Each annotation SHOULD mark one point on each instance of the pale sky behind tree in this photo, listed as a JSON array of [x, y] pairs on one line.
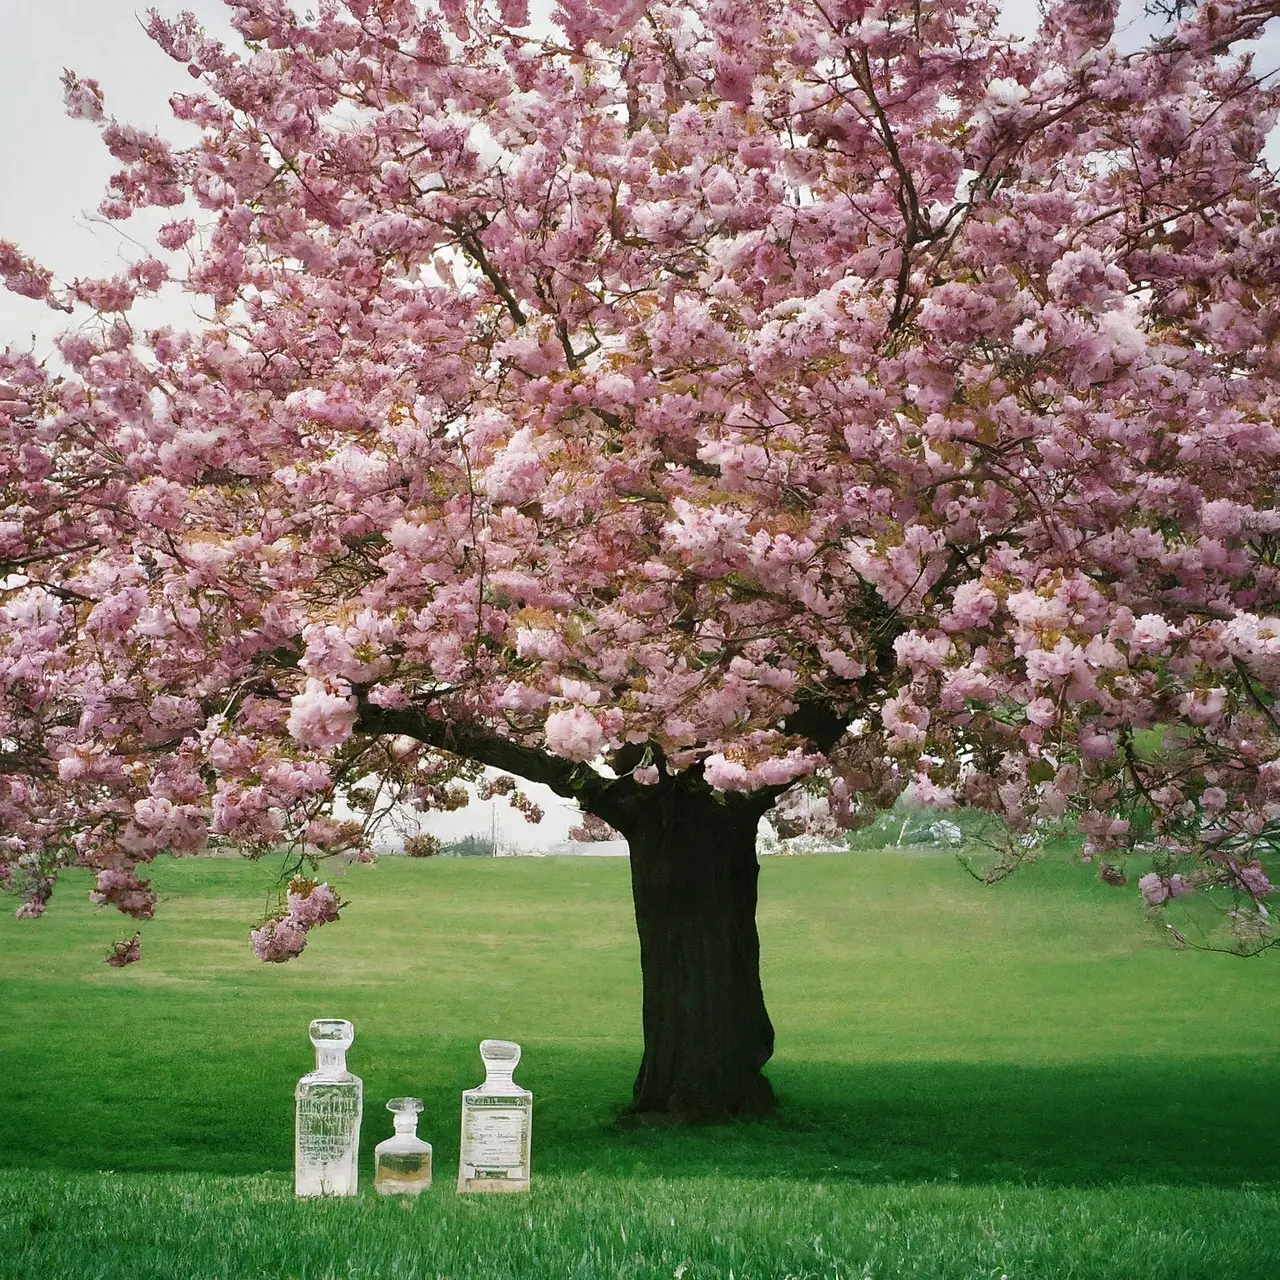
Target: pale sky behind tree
[[55, 169], [55, 172]]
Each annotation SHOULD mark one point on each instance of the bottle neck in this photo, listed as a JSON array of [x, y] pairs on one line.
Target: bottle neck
[[406, 1124], [497, 1076], [331, 1060]]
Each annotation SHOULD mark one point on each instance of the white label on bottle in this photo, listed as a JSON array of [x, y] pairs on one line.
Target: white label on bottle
[[326, 1125], [493, 1138]]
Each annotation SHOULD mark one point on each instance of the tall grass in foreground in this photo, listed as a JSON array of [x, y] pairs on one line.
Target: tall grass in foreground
[[1021, 1080], [580, 1227]]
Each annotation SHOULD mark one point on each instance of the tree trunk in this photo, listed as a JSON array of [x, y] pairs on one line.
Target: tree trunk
[[693, 878]]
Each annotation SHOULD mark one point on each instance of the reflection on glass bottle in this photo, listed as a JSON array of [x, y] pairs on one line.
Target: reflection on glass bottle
[[329, 1103], [497, 1120], [402, 1164]]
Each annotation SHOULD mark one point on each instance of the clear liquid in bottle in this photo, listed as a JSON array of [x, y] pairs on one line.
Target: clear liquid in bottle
[[402, 1163]]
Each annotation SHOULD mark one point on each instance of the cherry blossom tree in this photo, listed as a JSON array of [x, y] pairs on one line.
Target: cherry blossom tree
[[687, 406]]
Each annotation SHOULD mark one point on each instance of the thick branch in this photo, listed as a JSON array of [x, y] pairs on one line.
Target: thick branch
[[616, 800], [818, 721], [573, 781], [474, 249], [1246, 678]]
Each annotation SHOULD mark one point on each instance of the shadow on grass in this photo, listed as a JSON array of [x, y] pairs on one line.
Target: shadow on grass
[[1197, 1122], [225, 1108], [1192, 1122]]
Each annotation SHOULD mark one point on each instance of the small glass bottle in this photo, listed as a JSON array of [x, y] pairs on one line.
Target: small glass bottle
[[402, 1164], [497, 1123], [329, 1102]]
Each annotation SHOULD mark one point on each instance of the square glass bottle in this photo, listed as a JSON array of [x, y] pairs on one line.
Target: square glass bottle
[[497, 1124], [329, 1101]]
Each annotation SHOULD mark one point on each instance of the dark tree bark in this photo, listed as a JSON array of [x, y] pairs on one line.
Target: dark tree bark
[[707, 1033]]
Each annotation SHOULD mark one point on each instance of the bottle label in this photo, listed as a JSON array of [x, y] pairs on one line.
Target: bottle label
[[326, 1125], [495, 1136]]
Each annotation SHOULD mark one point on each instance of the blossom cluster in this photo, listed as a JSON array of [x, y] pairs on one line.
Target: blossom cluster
[[307, 905]]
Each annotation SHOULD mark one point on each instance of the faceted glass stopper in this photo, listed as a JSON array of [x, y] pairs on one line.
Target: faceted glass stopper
[[499, 1058], [405, 1113], [502, 1052], [332, 1033]]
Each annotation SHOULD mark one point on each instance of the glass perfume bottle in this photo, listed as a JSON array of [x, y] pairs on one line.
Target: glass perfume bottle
[[329, 1104], [497, 1122], [402, 1164]]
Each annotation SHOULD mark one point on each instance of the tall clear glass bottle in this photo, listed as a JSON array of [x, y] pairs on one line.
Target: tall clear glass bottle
[[330, 1100], [402, 1164], [497, 1125]]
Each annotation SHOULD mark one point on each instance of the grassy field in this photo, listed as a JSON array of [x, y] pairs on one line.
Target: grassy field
[[1020, 1080]]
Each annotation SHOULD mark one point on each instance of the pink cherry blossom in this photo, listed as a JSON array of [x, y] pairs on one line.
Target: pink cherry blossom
[[1150, 634], [574, 734], [1204, 707], [278, 940], [1214, 799], [173, 235], [126, 951], [1252, 878], [1042, 711], [311, 905], [725, 774], [905, 721], [1154, 889], [83, 98], [318, 718], [972, 605]]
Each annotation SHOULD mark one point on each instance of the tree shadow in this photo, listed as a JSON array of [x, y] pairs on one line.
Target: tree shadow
[[224, 1107], [1178, 1121]]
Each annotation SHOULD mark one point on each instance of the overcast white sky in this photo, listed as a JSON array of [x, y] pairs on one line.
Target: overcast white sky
[[53, 173]]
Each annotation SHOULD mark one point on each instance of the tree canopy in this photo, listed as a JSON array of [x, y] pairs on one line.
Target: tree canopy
[[743, 395]]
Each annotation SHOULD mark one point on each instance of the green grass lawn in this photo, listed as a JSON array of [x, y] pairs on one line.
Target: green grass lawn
[[1021, 1080]]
